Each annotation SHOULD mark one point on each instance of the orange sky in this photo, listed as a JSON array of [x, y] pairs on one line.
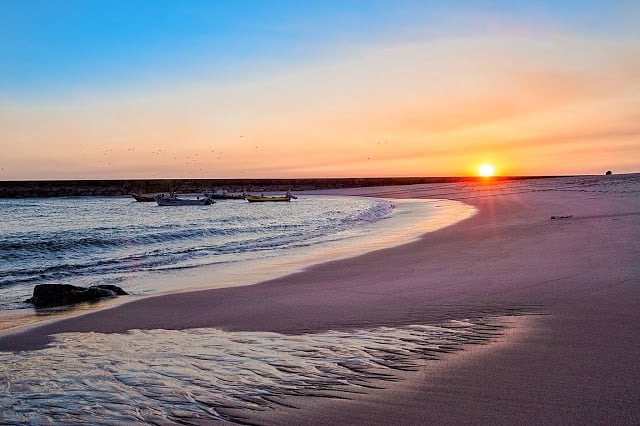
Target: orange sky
[[553, 106]]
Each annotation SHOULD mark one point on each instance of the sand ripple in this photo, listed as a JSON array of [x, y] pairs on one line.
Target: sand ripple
[[196, 376]]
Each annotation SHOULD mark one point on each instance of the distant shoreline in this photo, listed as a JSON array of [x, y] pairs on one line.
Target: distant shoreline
[[78, 188]]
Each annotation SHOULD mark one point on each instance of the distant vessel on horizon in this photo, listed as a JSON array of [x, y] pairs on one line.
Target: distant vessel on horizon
[[255, 198], [224, 196], [172, 200], [143, 198]]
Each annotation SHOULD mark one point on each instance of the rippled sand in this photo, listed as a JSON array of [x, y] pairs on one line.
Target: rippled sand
[[190, 376]]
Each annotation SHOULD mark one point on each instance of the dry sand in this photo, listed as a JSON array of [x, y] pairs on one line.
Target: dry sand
[[577, 363]]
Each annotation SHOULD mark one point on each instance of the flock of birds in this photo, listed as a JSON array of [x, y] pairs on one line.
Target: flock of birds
[[190, 160]]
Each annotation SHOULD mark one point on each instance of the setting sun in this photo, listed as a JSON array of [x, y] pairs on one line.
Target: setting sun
[[486, 170]]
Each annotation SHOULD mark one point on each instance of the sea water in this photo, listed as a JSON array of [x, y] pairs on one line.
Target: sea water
[[202, 375], [145, 248]]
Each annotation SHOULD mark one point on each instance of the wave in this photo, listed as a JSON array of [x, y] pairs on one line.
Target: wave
[[100, 249], [378, 210]]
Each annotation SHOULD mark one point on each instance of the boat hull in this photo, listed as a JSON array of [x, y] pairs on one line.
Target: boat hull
[[255, 199], [143, 198], [164, 201], [225, 196]]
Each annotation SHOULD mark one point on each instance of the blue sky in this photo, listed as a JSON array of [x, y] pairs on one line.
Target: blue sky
[[59, 45]]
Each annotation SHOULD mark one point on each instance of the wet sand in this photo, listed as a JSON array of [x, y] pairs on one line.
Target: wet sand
[[572, 360]]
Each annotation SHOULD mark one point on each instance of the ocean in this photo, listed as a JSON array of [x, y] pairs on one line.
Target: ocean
[[147, 249], [197, 376]]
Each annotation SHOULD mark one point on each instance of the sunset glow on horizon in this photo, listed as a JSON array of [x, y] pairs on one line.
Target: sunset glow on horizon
[[107, 90]]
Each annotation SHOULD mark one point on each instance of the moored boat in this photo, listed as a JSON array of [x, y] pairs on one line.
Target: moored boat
[[224, 196], [143, 198], [172, 200], [255, 198]]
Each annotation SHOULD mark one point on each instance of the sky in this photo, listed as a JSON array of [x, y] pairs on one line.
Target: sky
[[291, 89]]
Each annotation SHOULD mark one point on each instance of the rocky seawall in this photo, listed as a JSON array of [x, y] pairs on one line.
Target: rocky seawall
[[70, 188]]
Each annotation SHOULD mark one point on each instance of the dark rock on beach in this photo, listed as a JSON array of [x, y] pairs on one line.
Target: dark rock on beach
[[47, 295]]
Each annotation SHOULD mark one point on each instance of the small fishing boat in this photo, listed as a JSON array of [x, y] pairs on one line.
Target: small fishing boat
[[143, 198], [172, 200], [257, 199], [224, 196]]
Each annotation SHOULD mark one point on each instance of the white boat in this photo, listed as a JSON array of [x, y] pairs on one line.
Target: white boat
[[172, 200]]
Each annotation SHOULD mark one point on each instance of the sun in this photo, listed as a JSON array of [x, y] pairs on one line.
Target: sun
[[486, 170]]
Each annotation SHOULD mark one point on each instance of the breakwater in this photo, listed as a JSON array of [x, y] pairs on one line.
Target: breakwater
[[70, 188]]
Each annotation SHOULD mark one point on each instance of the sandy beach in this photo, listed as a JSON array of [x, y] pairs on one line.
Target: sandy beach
[[566, 291]]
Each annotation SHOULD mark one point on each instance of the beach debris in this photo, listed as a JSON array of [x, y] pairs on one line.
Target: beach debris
[[48, 295], [565, 216]]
